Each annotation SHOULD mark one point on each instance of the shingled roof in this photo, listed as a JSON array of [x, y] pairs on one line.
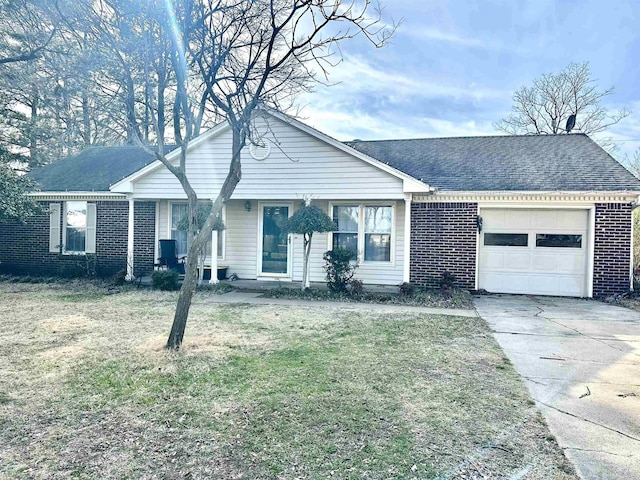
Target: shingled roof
[[505, 163], [94, 169]]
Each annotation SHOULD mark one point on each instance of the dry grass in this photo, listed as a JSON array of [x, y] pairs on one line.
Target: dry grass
[[87, 391]]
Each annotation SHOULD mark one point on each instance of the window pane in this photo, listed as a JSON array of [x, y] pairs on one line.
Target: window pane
[[178, 212], [77, 214], [377, 247], [75, 239], [346, 217], [76, 226], [377, 219], [506, 239], [554, 240], [347, 241]]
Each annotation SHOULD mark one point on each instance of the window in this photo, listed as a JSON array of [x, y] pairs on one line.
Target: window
[[179, 211], [72, 227], [75, 227], [377, 233], [506, 239], [364, 229], [556, 240], [346, 218]]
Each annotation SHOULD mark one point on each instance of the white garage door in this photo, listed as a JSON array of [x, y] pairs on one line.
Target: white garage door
[[541, 252]]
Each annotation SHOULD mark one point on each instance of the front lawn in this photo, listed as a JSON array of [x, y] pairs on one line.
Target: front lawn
[[87, 391]]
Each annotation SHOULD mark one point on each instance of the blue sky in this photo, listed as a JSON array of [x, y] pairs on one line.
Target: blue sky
[[452, 67]]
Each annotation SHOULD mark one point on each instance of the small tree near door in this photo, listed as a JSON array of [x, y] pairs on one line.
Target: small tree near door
[[306, 221]]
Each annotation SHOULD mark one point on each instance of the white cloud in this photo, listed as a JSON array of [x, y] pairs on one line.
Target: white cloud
[[351, 125], [440, 36], [357, 75]]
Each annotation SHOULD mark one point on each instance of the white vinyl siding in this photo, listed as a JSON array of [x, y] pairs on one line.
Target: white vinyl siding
[[242, 245], [242, 239], [298, 164]]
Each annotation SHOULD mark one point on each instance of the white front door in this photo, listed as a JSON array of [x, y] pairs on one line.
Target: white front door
[[540, 252], [275, 247]]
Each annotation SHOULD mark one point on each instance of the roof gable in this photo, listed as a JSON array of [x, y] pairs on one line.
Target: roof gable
[[301, 161]]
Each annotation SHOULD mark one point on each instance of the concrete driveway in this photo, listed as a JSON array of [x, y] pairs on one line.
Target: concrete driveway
[[580, 360]]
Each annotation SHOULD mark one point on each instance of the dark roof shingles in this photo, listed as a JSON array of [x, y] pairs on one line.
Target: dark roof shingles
[[505, 163], [93, 169]]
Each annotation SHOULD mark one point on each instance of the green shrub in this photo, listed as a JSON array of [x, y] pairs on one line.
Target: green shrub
[[119, 278], [340, 270], [72, 270], [356, 287], [407, 289], [448, 281], [164, 280]]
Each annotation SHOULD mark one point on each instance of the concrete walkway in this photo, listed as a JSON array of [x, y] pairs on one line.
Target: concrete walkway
[[581, 362], [254, 298]]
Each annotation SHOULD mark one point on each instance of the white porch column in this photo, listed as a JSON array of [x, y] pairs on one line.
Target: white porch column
[[214, 257], [406, 275], [130, 239]]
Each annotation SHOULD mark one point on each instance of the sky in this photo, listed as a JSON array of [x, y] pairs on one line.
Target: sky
[[452, 67]]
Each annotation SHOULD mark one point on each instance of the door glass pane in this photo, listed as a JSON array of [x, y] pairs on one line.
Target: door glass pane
[[554, 240], [274, 241], [506, 239]]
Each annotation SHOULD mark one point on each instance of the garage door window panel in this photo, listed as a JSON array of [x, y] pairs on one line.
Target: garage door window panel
[[558, 240], [506, 239]]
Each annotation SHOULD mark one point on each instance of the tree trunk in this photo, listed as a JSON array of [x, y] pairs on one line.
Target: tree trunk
[[305, 267], [184, 304], [86, 120], [200, 240]]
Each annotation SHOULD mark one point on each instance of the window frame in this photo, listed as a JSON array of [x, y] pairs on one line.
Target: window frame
[[65, 210], [222, 235], [361, 229]]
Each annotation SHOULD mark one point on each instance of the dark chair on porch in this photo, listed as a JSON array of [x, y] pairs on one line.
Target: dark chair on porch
[[169, 258]]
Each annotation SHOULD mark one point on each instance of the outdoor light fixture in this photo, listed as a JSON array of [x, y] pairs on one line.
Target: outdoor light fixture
[[479, 223], [247, 206]]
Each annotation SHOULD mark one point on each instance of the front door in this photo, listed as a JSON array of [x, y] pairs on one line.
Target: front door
[[275, 250]]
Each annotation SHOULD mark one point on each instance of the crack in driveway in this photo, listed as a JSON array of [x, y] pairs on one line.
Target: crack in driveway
[[598, 451], [587, 420], [595, 339]]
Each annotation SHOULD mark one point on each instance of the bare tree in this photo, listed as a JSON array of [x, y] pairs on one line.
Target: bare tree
[[545, 106], [243, 55], [27, 27]]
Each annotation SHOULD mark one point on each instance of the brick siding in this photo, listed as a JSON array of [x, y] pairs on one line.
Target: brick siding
[[24, 248], [612, 257], [144, 235], [443, 239]]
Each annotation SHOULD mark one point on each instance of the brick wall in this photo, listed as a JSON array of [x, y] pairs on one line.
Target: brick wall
[[144, 235], [24, 248], [612, 253], [443, 239]]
